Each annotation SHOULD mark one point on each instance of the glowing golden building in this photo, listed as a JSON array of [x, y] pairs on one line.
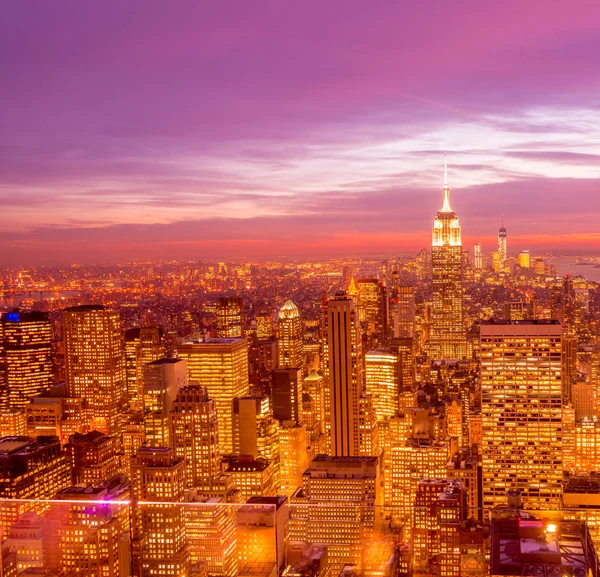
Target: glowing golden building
[[91, 530], [381, 372], [337, 506], [502, 253], [158, 529], [448, 336], [196, 436], [94, 457], [13, 423], [95, 364], [230, 317], [25, 357], [293, 456], [142, 346], [220, 365], [521, 411], [403, 307], [210, 528], [290, 337], [371, 306]]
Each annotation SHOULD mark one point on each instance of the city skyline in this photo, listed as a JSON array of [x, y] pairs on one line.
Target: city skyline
[[201, 132]]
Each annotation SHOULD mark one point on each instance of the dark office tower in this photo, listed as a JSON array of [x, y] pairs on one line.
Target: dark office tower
[[286, 395], [562, 308], [230, 317], [94, 457], [25, 357], [95, 364], [142, 346], [196, 436], [345, 375], [404, 312], [289, 337], [448, 338], [502, 254], [404, 348]]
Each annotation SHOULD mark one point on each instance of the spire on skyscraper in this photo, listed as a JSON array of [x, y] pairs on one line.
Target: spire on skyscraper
[[446, 192]]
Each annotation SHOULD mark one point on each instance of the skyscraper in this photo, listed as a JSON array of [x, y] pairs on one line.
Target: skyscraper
[[477, 257], [25, 357], [230, 317], [382, 383], [345, 374], [142, 346], [404, 312], [95, 364], [220, 365], [448, 333], [286, 395], [502, 245], [521, 411], [196, 436], [162, 380], [290, 337]]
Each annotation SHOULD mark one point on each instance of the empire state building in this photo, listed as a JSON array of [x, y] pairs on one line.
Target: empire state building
[[448, 338]]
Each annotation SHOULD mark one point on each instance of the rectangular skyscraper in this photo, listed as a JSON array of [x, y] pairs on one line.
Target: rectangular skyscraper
[[521, 412], [220, 365], [25, 357], [345, 375], [95, 363]]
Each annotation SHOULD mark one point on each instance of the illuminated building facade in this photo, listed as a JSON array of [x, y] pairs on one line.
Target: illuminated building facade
[[162, 380], [230, 317], [13, 423], [95, 364], [381, 372], [337, 507], [210, 528], [253, 477], [25, 357], [293, 444], [448, 337], [159, 537], [289, 337], [220, 365], [91, 538], [521, 411], [371, 307], [142, 346], [345, 365], [195, 436]]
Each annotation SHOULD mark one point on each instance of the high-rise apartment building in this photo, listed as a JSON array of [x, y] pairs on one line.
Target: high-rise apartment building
[[521, 411], [220, 365], [371, 307], [289, 337], [95, 364], [230, 317], [142, 346], [337, 506], [195, 436], [345, 365], [448, 337], [158, 528], [25, 357]]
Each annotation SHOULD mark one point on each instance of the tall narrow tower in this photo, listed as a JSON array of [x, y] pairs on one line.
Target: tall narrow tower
[[502, 245], [290, 338], [345, 375], [448, 333]]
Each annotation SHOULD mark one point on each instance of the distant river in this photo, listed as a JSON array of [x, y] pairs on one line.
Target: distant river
[[566, 265], [15, 301]]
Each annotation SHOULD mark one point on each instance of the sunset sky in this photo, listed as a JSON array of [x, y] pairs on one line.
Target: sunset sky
[[210, 129]]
